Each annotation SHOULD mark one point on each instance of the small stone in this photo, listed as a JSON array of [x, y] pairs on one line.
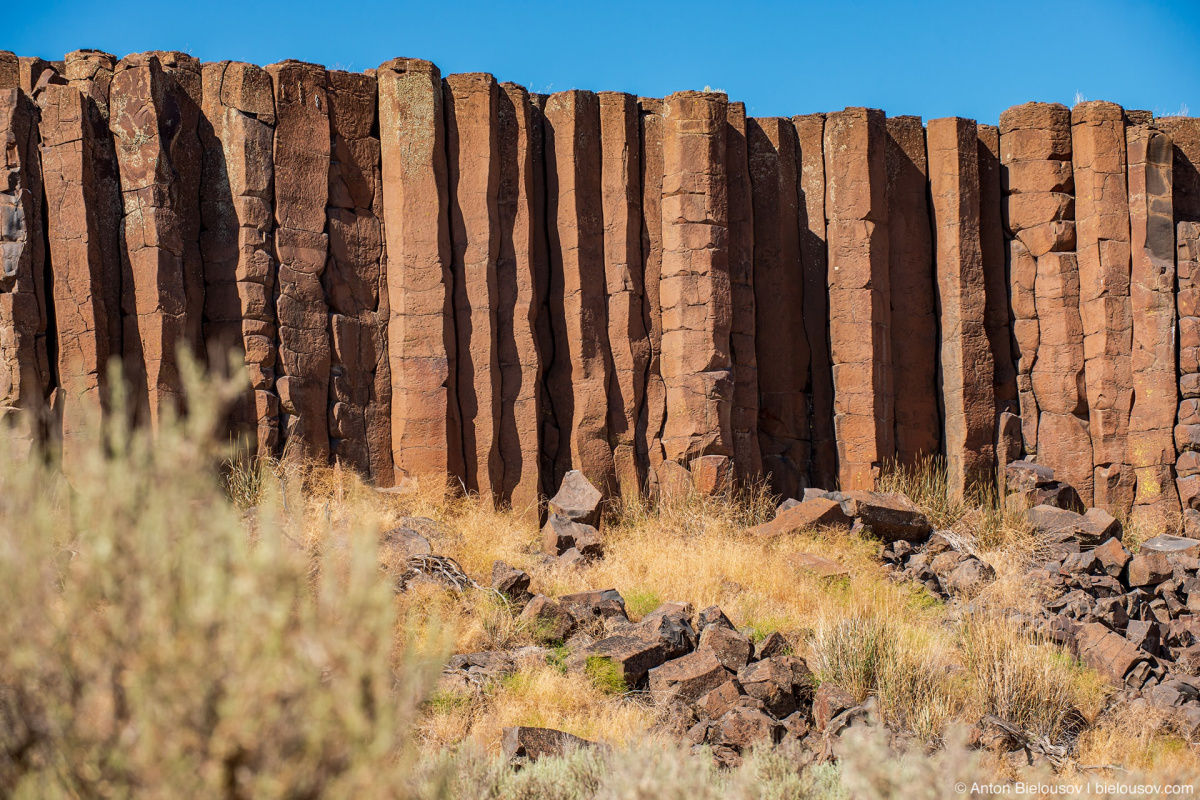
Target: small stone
[[731, 648], [510, 582], [1020, 476], [571, 557], [548, 621], [742, 728], [775, 644], [829, 702], [713, 615], [969, 577], [522, 743], [560, 534]]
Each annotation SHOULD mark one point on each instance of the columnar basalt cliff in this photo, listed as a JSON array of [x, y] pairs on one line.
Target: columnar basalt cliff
[[450, 279]]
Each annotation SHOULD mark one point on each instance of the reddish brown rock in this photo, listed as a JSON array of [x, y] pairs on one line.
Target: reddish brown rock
[[967, 368], [859, 293], [694, 287], [581, 371], [780, 338], [655, 414], [1026, 336], [810, 136], [29, 71], [995, 279], [1102, 243], [10, 70], [144, 101], [621, 209], [520, 285], [911, 274], [472, 105], [426, 439], [91, 72], [236, 241], [25, 374], [1187, 304], [1185, 167], [743, 418], [72, 229], [301, 150], [360, 385], [1109, 653], [1151, 448], [1035, 142], [813, 513]]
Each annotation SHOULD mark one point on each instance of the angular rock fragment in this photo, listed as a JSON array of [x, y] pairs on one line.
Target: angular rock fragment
[[781, 341], [632, 656], [816, 512], [911, 274], [689, 678], [548, 621], [743, 728], [891, 516], [694, 288], [577, 500], [1110, 653], [1172, 546], [967, 368], [510, 582], [426, 437], [529, 744], [859, 293], [561, 534], [731, 648], [1148, 569], [1059, 525]]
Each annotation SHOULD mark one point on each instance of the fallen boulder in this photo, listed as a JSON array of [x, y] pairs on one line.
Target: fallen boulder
[[1058, 525], [560, 534], [814, 513], [522, 744], [687, 679], [547, 620], [577, 500], [890, 516]]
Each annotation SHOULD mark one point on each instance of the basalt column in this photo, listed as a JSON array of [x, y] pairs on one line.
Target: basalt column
[[521, 281], [743, 419], [426, 440], [995, 280], [621, 198], [471, 104], [360, 384], [1151, 447], [780, 337], [581, 371], [914, 312], [859, 293], [547, 429], [301, 156], [25, 372], [1102, 225], [186, 90], [966, 358], [695, 290], [91, 72], [81, 315], [147, 124], [1185, 194], [810, 137], [237, 195], [655, 413], [1035, 156]]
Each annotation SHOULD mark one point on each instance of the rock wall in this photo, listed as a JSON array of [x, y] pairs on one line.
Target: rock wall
[[452, 280]]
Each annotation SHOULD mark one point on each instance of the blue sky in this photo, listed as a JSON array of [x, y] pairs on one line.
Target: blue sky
[[933, 59]]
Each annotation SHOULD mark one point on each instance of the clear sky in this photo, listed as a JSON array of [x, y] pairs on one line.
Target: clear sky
[[933, 59]]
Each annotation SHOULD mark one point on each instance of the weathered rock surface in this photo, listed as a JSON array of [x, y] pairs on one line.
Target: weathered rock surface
[[302, 149], [915, 338], [426, 437], [995, 279], [780, 338], [579, 377], [82, 319], [859, 293], [360, 387], [743, 416], [694, 289], [621, 209], [967, 369], [522, 278], [236, 243], [471, 104], [655, 413], [812, 513], [522, 744], [1103, 246], [1150, 448]]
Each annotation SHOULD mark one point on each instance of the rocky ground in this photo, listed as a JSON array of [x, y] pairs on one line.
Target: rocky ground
[[1126, 615]]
